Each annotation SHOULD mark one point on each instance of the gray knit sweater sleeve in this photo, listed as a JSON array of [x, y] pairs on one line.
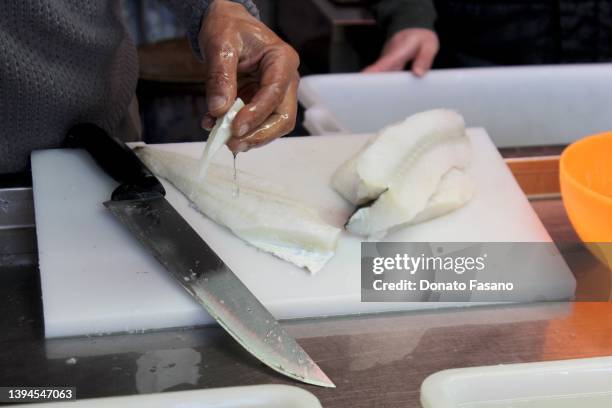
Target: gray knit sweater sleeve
[[64, 62], [190, 13]]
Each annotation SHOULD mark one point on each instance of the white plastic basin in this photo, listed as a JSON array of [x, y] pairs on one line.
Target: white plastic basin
[[584, 383], [256, 396], [519, 106]]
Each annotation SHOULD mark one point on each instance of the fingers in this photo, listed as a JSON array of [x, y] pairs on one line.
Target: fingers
[[414, 44], [379, 66], [233, 44], [278, 124], [208, 121], [278, 76], [371, 69], [395, 56], [221, 75], [424, 58]]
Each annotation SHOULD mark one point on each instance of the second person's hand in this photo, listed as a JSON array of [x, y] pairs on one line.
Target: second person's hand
[[244, 58], [418, 45]]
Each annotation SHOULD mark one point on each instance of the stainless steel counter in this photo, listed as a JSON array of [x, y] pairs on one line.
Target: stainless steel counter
[[376, 360]]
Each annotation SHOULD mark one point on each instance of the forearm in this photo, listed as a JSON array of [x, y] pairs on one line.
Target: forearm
[[397, 15], [191, 12]]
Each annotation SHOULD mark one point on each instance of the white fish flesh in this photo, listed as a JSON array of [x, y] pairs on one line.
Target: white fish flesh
[[218, 137], [263, 215], [403, 176], [365, 176], [410, 190], [455, 189]]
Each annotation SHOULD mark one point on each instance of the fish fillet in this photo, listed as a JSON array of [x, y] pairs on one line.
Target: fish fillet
[[218, 137], [369, 172], [404, 175], [262, 215], [455, 189]]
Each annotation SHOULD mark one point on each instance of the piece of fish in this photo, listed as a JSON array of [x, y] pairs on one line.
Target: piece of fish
[[455, 189], [404, 174], [218, 137], [263, 215], [369, 173]]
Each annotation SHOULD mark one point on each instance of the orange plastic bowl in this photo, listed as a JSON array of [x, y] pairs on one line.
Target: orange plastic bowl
[[586, 186]]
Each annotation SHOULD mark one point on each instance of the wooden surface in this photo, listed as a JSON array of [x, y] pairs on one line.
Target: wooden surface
[[553, 216], [169, 67], [330, 37], [345, 15], [537, 176], [169, 61]]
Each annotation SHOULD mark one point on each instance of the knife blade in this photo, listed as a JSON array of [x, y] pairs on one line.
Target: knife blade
[[140, 204]]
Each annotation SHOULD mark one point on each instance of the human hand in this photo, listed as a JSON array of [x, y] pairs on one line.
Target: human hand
[[418, 45], [245, 58]]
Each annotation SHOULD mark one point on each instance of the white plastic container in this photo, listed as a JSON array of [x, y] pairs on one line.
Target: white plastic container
[[252, 396], [519, 106], [583, 383]]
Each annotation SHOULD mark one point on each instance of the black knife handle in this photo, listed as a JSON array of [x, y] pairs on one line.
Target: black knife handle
[[117, 160]]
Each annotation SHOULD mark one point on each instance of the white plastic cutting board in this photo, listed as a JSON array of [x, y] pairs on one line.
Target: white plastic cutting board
[[583, 383], [96, 278]]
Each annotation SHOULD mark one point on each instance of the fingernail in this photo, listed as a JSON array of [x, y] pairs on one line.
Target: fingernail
[[243, 130], [242, 147], [207, 123], [419, 71], [216, 102]]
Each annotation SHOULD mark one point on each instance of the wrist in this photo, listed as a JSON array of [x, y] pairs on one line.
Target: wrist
[[423, 18], [246, 5]]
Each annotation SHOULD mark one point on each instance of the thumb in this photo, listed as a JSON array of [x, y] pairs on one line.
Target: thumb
[[221, 78]]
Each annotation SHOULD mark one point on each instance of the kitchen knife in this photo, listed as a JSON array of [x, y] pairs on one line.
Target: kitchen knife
[[139, 202]]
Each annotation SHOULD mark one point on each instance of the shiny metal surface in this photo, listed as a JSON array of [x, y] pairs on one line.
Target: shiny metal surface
[[376, 360], [164, 232], [17, 227], [16, 208]]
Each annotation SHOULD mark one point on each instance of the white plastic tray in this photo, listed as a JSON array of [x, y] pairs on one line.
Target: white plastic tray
[[584, 383], [256, 396], [519, 106]]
